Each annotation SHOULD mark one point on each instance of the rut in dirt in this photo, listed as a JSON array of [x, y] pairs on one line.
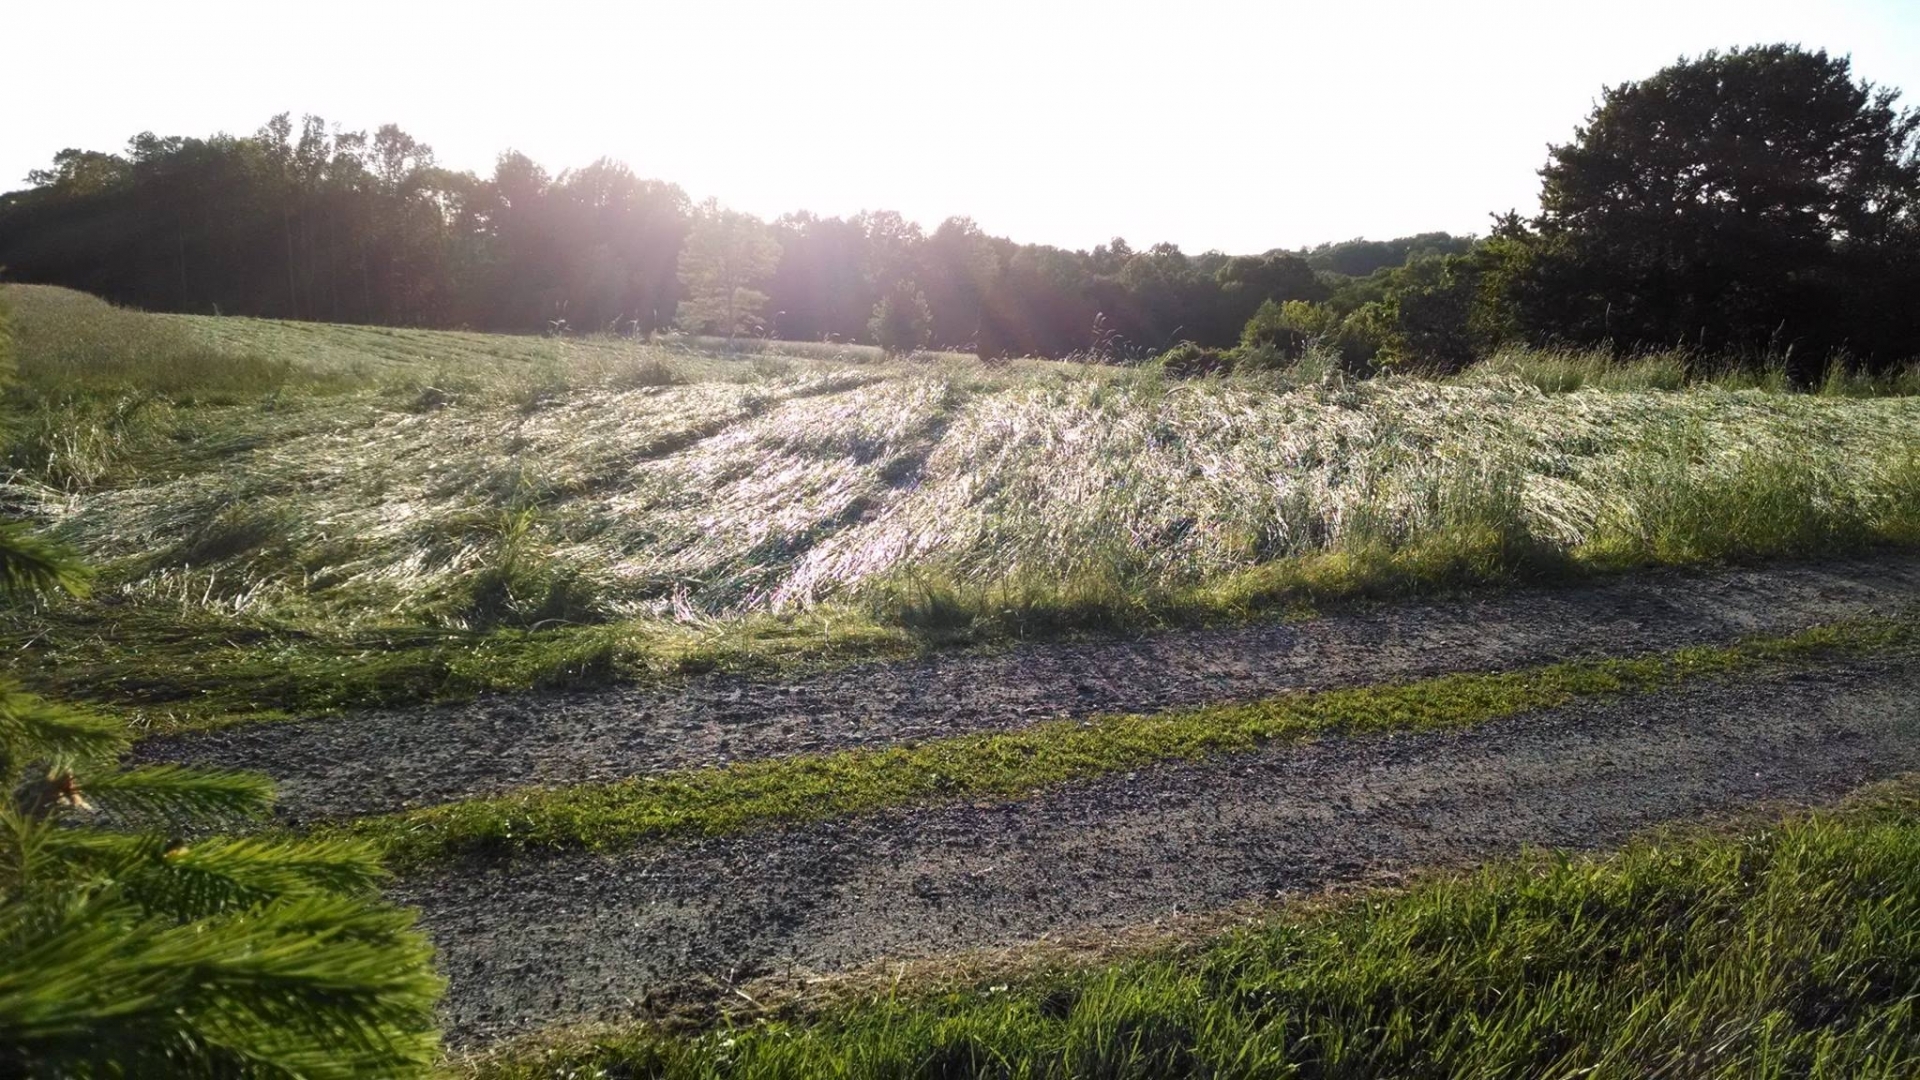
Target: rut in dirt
[[559, 939], [380, 761]]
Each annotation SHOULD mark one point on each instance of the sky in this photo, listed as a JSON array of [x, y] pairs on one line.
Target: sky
[[1233, 126]]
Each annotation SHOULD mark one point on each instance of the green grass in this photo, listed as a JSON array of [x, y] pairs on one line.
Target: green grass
[[184, 669], [768, 793], [7, 361], [836, 351], [1561, 370], [282, 497], [72, 344], [1783, 951]]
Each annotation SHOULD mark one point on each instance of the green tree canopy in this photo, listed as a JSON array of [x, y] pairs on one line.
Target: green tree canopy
[[728, 255], [1731, 200]]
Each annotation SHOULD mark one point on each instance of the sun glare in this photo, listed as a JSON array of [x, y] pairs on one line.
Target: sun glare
[[1237, 126]]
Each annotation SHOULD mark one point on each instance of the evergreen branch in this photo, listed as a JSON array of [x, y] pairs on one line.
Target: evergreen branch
[[34, 730], [200, 880], [256, 994], [38, 853], [33, 566], [176, 792], [32, 851]]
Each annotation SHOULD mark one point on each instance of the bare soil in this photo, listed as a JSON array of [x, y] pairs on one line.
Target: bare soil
[[379, 761]]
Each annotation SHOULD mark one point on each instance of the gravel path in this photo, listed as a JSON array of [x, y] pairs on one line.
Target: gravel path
[[370, 762], [538, 941]]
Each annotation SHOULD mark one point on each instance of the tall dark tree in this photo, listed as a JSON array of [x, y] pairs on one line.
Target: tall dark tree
[[1732, 201], [957, 265], [618, 237], [820, 291]]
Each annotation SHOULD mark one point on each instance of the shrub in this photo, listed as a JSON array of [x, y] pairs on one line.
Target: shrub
[[901, 321], [1288, 328], [1190, 361], [1248, 359], [1366, 337]]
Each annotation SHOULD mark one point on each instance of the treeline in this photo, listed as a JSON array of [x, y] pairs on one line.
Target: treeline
[[1757, 207], [319, 223], [311, 222], [1759, 203]]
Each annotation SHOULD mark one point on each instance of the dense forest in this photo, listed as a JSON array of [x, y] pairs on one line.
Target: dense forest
[[1759, 203]]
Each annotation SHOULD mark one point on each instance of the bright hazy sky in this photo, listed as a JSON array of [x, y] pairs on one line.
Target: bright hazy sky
[[1214, 125]]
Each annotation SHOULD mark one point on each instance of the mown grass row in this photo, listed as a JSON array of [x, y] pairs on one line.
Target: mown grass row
[[171, 668], [1785, 951], [783, 791], [181, 666]]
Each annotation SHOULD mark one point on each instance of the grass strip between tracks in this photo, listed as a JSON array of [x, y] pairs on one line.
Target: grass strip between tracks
[[790, 790]]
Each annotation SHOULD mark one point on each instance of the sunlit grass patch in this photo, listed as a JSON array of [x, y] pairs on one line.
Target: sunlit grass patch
[[1564, 370], [71, 343], [762, 794], [1683, 503], [1069, 496], [1785, 950]]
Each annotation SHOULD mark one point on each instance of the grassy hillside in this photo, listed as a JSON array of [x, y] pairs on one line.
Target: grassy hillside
[[418, 512]]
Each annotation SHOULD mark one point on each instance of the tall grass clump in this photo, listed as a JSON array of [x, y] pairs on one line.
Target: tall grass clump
[[522, 587], [7, 360], [1846, 379], [1679, 503], [1451, 527], [1562, 370], [1789, 951]]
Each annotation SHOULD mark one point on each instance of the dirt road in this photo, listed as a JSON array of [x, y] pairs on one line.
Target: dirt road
[[546, 939], [378, 761], [583, 936]]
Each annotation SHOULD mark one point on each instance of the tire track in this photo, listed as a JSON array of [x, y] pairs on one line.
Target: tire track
[[538, 940], [381, 761]]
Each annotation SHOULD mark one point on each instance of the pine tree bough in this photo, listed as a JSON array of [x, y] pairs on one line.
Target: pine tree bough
[[127, 951]]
